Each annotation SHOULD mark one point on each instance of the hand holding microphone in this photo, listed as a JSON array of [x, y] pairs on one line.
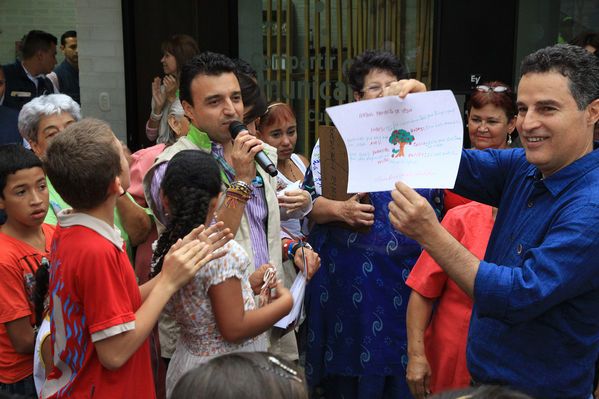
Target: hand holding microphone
[[263, 160]]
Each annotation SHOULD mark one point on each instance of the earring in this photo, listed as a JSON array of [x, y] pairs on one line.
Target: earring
[[509, 139]]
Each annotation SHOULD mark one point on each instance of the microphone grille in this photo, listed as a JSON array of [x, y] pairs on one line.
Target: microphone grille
[[235, 128]]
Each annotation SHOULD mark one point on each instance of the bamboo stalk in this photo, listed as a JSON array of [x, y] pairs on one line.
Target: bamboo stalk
[[327, 60], [371, 24], [279, 44], [307, 76], [350, 30], [398, 22], [316, 70], [288, 52], [269, 39], [380, 11], [339, 42]]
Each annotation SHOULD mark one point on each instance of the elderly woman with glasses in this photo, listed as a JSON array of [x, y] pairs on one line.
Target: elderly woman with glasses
[[356, 302], [491, 123], [40, 120], [437, 344]]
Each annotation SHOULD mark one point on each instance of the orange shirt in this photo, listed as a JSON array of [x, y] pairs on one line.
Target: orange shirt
[[18, 263]]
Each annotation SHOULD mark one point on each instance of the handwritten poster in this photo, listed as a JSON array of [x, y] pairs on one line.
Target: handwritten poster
[[416, 140]]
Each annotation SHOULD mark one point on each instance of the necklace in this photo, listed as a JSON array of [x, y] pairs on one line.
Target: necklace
[[289, 170]]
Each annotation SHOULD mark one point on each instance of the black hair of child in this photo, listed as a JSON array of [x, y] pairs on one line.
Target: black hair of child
[[191, 180], [14, 158]]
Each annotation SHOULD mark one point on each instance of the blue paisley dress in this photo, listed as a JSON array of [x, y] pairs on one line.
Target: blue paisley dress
[[356, 303]]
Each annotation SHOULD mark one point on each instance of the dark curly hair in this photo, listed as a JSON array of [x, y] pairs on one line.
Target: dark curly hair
[[575, 63], [191, 180], [373, 59], [206, 63]]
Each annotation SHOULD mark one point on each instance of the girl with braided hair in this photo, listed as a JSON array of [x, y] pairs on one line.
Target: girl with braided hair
[[216, 309]]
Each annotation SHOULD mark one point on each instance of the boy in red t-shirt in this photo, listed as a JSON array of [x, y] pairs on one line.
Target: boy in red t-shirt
[[100, 318], [24, 240]]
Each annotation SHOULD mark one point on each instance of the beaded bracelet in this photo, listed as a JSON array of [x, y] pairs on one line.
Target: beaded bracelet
[[286, 246], [233, 195], [290, 249], [243, 187], [155, 117]]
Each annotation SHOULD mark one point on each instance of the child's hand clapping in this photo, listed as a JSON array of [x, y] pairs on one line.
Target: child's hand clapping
[[188, 255]]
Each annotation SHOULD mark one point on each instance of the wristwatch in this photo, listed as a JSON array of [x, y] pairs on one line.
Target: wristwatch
[[299, 245]]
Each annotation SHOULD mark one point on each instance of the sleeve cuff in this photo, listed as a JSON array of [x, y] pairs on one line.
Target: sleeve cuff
[[491, 287], [112, 331]]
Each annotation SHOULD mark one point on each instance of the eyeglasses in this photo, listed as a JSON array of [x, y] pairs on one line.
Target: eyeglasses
[[376, 90], [495, 89]]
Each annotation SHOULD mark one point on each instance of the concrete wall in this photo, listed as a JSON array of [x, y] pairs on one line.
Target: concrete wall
[[17, 17], [101, 61], [100, 38]]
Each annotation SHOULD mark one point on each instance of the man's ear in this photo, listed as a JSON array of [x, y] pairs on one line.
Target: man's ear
[[592, 111], [188, 108], [2, 206], [62, 49]]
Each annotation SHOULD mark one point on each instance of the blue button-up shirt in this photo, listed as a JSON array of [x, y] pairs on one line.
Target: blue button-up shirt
[[535, 322]]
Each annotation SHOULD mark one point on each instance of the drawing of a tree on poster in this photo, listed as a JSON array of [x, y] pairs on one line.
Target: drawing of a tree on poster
[[400, 137]]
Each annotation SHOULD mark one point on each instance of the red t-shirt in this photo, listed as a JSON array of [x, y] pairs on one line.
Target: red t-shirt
[[446, 336], [18, 263], [94, 296]]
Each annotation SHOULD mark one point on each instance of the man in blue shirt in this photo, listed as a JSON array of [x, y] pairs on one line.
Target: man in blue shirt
[[65, 76], [535, 321]]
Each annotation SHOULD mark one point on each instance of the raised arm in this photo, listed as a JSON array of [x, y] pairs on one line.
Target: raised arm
[[241, 159], [180, 265]]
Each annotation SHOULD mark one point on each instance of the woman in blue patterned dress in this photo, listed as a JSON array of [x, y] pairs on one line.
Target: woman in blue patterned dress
[[356, 303]]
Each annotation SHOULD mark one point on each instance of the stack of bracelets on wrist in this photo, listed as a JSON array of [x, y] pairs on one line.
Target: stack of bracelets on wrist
[[237, 191], [155, 117]]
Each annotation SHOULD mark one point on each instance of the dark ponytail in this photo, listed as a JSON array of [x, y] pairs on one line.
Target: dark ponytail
[[191, 180]]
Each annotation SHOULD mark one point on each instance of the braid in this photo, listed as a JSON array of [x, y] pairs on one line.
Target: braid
[[189, 210], [191, 180], [42, 278]]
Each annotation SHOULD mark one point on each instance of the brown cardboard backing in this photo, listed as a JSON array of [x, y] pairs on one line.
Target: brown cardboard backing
[[334, 170]]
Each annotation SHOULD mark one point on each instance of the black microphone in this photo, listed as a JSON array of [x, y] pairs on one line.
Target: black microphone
[[263, 160]]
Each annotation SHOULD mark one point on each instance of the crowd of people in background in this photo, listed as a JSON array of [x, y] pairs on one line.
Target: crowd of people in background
[[162, 273]]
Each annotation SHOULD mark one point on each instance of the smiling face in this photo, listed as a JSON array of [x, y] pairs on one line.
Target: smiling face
[[25, 198], [554, 132], [169, 64], [374, 83], [49, 126], [488, 127], [216, 103]]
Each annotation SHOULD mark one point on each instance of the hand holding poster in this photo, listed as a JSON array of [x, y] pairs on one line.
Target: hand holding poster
[[417, 140]]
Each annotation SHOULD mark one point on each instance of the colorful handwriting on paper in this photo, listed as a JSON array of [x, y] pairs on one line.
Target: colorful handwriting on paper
[[400, 137]]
